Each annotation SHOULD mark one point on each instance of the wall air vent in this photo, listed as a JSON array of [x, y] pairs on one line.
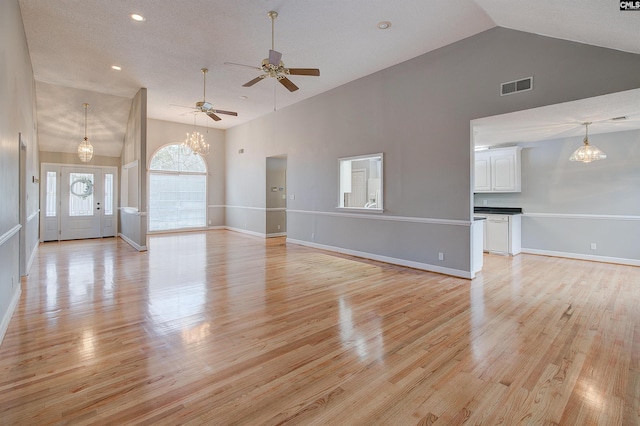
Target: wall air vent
[[516, 86]]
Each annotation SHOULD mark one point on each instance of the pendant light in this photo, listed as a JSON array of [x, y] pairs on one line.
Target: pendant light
[[85, 149], [587, 153]]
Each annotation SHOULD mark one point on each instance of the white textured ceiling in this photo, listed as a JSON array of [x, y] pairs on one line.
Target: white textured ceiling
[[605, 113], [73, 44]]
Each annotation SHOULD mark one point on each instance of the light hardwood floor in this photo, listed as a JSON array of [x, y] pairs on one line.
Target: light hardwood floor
[[220, 328]]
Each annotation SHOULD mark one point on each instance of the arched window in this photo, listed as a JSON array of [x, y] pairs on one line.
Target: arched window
[[177, 190]]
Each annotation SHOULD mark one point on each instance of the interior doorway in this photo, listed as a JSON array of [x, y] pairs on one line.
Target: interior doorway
[[79, 202], [276, 196]]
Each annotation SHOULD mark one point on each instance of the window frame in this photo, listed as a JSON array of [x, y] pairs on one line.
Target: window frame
[[351, 159]]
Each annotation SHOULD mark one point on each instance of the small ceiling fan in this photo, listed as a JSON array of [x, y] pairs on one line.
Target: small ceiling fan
[[274, 67], [206, 107]]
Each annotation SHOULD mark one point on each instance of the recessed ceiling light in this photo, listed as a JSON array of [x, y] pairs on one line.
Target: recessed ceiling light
[[384, 25], [244, 97], [115, 67], [137, 17]]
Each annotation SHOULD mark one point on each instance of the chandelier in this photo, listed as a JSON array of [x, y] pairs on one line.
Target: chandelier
[[587, 153], [85, 149], [195, 141]]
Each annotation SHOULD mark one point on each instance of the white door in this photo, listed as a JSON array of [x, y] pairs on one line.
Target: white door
[[81, 203]]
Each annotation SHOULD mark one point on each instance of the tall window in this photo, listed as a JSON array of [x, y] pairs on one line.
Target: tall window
[[177, 190]]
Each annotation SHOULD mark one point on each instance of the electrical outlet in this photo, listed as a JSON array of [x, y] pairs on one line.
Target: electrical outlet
[[440, 256], [209, 222], [278, 227], [313, 235], [292, 197], [593, 246]]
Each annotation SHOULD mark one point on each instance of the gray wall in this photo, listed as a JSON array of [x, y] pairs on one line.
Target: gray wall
[[570, 205], [161, 133], [133, 222], [417, 113], [276, 215], [17, 116]]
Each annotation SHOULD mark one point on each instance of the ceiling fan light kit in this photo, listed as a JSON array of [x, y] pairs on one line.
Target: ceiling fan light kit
[[274, 67], [587, 153], [85, 149]]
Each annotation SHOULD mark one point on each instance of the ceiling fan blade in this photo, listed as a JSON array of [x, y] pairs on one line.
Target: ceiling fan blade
[[274, 57], [243, 65], [254, 81], [304, 71], [288, 84], [219, 111], [212, 115]]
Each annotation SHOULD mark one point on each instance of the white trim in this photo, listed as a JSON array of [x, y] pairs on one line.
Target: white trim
[[276, 234], [211, 227], [32, 258], [389, 218], [10, 233], [132, 210], [578, 256], [134, 163], [33, 215], [360, 209], [582, 216], [180, 230], [244, 231], [276, 209], [217, 206], [245, 207], [132, 243], [4, 325], [386, 259]]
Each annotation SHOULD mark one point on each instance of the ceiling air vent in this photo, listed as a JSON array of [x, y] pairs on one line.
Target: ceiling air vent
[[516, 86]]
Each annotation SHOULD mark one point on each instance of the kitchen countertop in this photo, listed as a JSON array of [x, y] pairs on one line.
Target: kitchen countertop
[[498, 210]]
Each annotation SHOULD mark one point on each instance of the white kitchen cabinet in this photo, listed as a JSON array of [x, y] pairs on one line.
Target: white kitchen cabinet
[[498, 170]]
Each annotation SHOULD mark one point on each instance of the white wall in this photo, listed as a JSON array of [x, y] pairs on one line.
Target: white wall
[[161, 133], [17, 116], [570, 205], [417, 113]]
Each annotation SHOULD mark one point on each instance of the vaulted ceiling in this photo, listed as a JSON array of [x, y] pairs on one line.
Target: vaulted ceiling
[[74, 43]]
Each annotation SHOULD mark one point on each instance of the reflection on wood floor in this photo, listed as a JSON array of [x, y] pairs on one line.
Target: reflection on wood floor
[[221, 328]]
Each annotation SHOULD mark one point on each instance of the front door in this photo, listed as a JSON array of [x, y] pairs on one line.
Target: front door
[[79, 202], [80, 209]]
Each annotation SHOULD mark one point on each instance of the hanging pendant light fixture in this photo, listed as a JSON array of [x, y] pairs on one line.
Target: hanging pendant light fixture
[[195, 141], [85, 149], [587, 153]]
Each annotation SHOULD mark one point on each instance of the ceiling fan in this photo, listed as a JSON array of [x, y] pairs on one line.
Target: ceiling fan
[[274, 67], [206, 107]]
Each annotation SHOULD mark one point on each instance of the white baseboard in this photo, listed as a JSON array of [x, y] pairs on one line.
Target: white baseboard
[[133, 243], [386, 259], [578, 256], [31, 259], [211, 227], [245, 231], [276, 234], [4, 325]]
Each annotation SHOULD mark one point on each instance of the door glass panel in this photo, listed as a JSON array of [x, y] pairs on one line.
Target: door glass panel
[[51, 196], [108, 194], [81, 194]]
